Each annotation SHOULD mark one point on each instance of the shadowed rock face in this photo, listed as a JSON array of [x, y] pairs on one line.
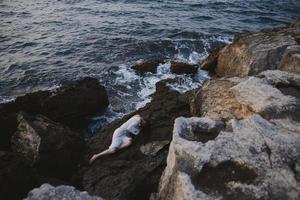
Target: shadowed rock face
[[71, 105], [16, 177], [51, 148], [214, 178], [183, 68], [211, 62], [131, 173], [252, 53], [43, 149]]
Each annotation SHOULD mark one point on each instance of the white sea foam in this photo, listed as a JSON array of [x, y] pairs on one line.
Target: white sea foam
[[134, 91], [145, 85], [6, 99]]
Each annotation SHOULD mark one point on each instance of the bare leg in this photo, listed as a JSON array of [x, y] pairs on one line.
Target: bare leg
[[105, 152]]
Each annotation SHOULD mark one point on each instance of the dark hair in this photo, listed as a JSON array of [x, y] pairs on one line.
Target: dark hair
[[145, 121]]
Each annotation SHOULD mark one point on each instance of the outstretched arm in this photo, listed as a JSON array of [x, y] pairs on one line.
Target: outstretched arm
[[105, 152]]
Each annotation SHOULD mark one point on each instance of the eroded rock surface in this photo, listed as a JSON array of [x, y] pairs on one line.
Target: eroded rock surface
[[257, 159], [272, 93], [252, 53], [216, 100], [46, 192], [263, 98]]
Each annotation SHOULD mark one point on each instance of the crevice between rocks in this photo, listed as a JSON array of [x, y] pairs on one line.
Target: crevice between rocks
[[294, 91], [214, 179]]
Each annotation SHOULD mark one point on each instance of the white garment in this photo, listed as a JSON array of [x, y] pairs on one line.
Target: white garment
[[120, 134]]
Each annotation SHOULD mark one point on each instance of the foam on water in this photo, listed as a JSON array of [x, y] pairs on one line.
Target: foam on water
[[141, 87]]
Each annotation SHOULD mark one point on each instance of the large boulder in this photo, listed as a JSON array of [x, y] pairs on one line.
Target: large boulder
[[72, 104], [133, 173], [183, 68], [253, 159], [252, 53], [53, 149], [16, 177], [147, 66], [272, 94], [217, 101], [263, 98], [46, 192]]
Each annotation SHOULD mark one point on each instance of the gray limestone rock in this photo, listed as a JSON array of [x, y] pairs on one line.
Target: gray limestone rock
[[257, 159], [48, 192]]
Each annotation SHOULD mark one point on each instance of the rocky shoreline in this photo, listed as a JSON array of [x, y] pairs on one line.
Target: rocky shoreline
[[236, 137]]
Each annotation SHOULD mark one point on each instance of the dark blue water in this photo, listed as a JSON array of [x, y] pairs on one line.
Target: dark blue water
[[46, 42]]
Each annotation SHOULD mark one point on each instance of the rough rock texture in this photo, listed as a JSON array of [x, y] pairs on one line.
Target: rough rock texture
[[256, 155], [131, 174], [16, 177], [147, 66], [288, 84], [256, 159], [217, 101], [273, 93], [152, 148], [183, 68], [263, 98], [46, 192], [72, 105], [280, 78], [252, 53], [50, 147], [291, 59]]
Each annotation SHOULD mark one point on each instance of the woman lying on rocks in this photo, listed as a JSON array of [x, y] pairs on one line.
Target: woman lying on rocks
[[123, 136]]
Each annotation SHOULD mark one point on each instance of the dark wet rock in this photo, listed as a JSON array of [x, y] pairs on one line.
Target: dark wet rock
[[73, 104], [211, 62], [148, 66], [65, 192], [252, 53], [16, 177], [183, 68], [257, 159], [131, 174], [53, 149]]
